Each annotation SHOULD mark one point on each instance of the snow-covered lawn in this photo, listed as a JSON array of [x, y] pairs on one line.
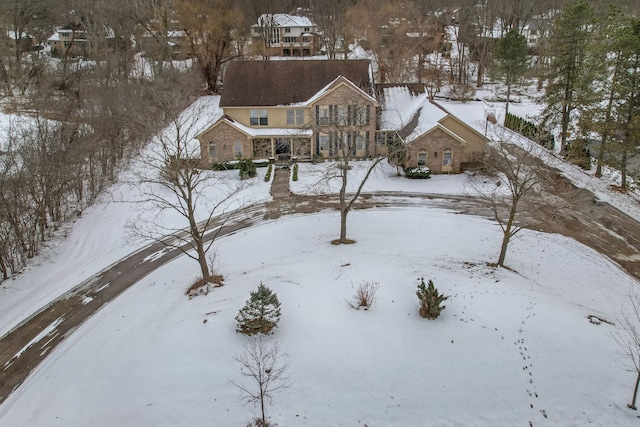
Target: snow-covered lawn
[[512, 347]]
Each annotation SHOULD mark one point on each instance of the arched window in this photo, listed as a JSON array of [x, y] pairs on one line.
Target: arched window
[[213, 150], [422, 157], [237, 149], [447, 157]]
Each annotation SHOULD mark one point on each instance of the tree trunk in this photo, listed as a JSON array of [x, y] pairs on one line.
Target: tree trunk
[[506, 237], [343, 225], [605, 133], [262, 396], [199, 239], [344, 207], [623, 168], [565, 128], [635, 393], [506, 108]]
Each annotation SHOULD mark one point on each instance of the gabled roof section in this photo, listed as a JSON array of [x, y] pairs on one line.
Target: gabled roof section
[[272, 83], [411, 113], [339, 81]]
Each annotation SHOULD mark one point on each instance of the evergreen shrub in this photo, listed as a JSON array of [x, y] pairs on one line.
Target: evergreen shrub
[[267, 176], [418, 172], [430, 300], [261, 312], [247, 168]]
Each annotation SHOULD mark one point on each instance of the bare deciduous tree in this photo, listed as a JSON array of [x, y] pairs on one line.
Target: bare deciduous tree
[[518, 198], [627, 335], [266, 366], [346, 130], [210, 26], [170, 180]]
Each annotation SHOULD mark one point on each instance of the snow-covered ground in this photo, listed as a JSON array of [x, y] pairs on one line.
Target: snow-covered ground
[[512, 347]]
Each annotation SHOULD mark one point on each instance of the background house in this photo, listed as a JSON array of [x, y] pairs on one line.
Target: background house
[[280, 34], [74, 39]]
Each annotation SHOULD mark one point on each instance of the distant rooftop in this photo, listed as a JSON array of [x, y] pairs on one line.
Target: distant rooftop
[[284, 20]]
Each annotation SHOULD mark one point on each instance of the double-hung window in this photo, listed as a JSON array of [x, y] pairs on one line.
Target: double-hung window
[[213, 150], [422, 158], [360, 114], [447, 157], [295, 117], [323, 142], [343, 114], [237, 149], [258, 118], [323, 115]]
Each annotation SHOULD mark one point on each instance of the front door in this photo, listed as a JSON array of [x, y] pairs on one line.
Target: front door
[[283, 149]]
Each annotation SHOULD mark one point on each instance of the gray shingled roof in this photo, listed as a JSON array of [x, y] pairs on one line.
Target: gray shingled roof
[[268, 83]]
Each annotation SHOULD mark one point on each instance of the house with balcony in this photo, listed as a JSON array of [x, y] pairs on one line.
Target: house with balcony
[[304, 110], [280, 34]]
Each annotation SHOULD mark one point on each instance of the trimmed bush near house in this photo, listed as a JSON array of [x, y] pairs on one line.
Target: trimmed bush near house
[[247, 168], [430, 300], [267, 176], [235, 164], [418, 172], [294, 176]]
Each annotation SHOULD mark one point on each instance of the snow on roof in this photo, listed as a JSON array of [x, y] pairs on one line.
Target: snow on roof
[[256, 132], [401, 107], [176, 33], [285, 20], [13, 35], [54, 38]]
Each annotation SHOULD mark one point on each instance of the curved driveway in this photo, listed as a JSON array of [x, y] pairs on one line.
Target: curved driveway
[[600, 226]]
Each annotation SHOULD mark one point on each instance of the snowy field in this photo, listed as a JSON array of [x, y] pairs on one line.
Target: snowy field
[[512, 347]]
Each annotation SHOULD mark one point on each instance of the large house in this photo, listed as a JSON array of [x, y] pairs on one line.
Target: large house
[[310, 109], [280, 34], [284, 109]]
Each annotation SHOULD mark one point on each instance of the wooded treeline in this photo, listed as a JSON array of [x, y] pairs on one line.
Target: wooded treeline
[[81, 119]]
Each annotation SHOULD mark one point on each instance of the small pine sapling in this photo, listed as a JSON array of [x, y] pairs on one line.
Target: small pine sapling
[[295, 172], [430, 300], [260, 313]]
